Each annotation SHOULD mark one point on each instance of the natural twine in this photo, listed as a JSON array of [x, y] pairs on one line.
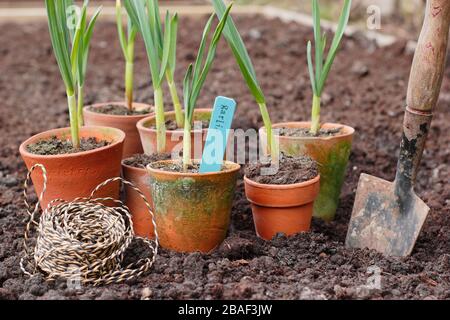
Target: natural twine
[[84, 239]]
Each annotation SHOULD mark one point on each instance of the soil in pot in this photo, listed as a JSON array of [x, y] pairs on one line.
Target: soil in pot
[[174, 135], [304, 132], [117, 115], [133, 170], [143, 160], [291, 170], [173, 126], [120, 110], [55, 146], [331, 149], [283, 202], [192, 210], [73, 174]]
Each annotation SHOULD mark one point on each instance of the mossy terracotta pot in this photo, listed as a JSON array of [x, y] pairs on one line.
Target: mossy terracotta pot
[[174, 138], [192, 210], [77, 174], [132, 144], [331, 153], [284, 209], [142, 221]]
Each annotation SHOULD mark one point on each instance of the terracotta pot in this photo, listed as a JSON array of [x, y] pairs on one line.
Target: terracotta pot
[[174, 138], [142, 221], [193, 210], [76, 175], [332, 154], [127, 124], [282, 208]]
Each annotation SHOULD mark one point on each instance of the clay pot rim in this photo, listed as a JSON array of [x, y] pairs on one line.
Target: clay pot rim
[[141, 123], [282, 186], [121, 103], [299, 124], [132, 167], [234, 168], [23, 150]]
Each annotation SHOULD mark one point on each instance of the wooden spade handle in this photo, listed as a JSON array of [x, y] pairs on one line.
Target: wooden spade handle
[[429, 59]]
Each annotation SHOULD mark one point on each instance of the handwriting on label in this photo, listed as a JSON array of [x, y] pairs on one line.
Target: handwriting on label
[[217, 137]]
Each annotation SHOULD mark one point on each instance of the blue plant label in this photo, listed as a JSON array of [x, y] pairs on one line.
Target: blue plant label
[[217, 137]]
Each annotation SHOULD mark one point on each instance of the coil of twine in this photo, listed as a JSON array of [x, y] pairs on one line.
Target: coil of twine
[[84, 239]]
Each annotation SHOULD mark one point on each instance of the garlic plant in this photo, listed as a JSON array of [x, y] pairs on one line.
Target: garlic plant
[[195, 78], [127, 44], [71, 48], [322, 67], [141, 14], [248, 71]]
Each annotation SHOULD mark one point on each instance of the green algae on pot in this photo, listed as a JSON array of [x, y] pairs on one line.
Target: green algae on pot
[[331, 153], [133, 170], [192, 210]]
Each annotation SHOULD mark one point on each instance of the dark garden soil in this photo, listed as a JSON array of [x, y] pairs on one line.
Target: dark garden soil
[[54, 146], [300, 132], [176, 167], [118, 110], [291, 170], [142, 160], [172, 125], [315, 265]]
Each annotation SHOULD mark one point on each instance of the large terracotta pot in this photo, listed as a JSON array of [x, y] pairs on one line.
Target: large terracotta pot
[[132, 144], [192, 210], [284, 209], [142, 221], [77, 174], [174, 138], [331, 153]]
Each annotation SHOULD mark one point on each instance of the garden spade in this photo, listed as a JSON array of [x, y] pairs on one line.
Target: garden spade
[[388, 216]]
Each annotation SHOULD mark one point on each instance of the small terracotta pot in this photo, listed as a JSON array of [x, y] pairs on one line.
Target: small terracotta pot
[[192, 210], [142, 221], [331, 153], [77, 174], [127, 124], [282, 208], [174, 138]]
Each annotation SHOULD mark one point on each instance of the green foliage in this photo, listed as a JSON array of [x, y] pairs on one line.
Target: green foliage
[[71, 36], [126, 41], [320, 74], [196, 74], [195, 79], [240, 52], [248, 72], [142, 15]]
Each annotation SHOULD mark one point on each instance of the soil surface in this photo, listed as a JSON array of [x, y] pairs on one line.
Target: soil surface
[[291, 170], [300, 132], [173, 126], [314, 265], [142, 160], [119, 110], [176, 167], [55, 146]]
